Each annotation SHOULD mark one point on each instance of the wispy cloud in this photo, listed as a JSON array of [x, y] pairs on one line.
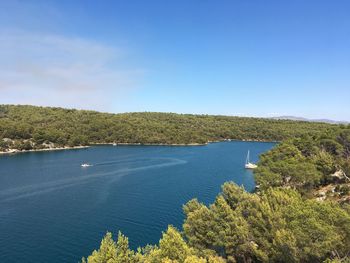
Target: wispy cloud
[[62, 71]]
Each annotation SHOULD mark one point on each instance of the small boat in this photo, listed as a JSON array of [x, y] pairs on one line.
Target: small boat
[[114, 144], [248, 164], [86, 165]]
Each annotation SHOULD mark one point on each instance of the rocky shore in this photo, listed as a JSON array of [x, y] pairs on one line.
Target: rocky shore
[[51, 147], [14, 151]]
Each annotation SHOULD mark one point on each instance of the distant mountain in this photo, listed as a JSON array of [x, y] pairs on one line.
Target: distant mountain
[[294, 118]]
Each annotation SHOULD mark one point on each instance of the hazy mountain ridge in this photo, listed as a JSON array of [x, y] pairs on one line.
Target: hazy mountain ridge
[[295, 118]]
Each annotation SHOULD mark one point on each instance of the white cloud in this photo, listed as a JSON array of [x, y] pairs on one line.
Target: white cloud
[[62, 71]]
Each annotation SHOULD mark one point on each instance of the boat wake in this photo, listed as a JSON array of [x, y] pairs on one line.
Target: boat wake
[[43, 188]]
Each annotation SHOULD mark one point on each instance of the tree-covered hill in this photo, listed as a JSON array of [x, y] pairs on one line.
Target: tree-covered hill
[[313, 164], [31, 127]]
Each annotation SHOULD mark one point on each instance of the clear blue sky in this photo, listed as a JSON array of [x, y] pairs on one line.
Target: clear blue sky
[[253, 58]]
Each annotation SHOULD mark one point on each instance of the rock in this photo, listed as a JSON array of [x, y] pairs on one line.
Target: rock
[[338, 174]]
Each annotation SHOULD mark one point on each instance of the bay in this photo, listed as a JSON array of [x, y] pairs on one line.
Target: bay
[[53, 210]]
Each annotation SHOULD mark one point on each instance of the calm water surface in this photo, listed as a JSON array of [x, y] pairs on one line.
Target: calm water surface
[[52, 210]]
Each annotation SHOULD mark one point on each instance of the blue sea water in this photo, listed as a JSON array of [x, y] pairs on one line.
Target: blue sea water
[[53, 210]]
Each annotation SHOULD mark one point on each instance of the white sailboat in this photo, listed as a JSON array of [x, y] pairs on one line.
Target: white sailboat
[[248, 164]]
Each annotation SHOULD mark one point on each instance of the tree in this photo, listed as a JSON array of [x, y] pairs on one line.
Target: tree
[[275, 224], [112, 252], [331, 146], [173, 246], [106, 252], [344, 140]]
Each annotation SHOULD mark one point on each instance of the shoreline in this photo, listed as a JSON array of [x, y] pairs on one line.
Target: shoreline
[[150, 144], [15, 151]]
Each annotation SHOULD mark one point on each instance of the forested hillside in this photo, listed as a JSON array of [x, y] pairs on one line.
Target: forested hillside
[[317, 164], [30, 127], [299, 213]]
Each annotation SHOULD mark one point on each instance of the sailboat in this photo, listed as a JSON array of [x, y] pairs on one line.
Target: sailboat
[[248, 164]]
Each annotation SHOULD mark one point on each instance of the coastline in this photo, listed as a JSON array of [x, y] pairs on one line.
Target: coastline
[[151, 144], [183, 144], [15, 151], [243, 140]]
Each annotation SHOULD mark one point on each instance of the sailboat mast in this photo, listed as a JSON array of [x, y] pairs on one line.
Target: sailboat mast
[[248, 164]]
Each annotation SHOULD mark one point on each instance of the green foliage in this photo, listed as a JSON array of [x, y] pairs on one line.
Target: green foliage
[[64, 127], [172, 249], [286, 165], [3, 145], [22, 145], [172, 246], [331, 146], [325, 162], [112, 252], [306, 162], [277, 224], [345, 165], [344, 140]]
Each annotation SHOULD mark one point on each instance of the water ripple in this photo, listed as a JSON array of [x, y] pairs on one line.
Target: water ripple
[[43, 188]]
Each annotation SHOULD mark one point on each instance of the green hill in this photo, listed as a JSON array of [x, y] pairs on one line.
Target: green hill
[[27, 127]]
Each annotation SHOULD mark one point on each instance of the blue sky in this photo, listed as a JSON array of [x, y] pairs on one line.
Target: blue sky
[[249, 58]]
